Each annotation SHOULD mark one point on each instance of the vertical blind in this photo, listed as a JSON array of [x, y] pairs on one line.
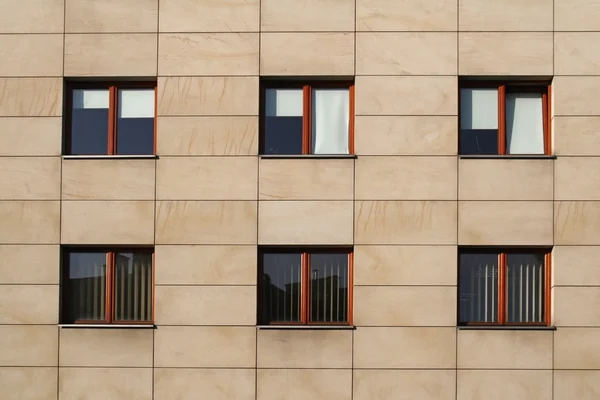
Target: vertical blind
[[525, 288], [282, 284], [133, 287], [328, 287], [478, 288]]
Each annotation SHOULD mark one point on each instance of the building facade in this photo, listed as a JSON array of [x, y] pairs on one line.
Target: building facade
[[299, 199]]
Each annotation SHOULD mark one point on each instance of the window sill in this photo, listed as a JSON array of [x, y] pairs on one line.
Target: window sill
[[506, 328], [318, 156], [108, 326], [110, 157], [508, 156], [307, 327]]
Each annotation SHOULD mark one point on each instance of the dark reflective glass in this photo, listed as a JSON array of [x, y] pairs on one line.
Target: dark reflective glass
[[283, 135], [135, 136], [281, 287], [89, 131], [133, 287], [328, 287], [479, 141], [525, 288], [478, 286], [86, 287]]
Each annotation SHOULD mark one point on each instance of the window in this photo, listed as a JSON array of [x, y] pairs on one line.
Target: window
[[504, 287], [504, 119], [107, 286], [313, 118], [111, 119], [305, 286]]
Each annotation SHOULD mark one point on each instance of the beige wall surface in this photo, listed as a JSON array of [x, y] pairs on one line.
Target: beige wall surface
[[405, 203]]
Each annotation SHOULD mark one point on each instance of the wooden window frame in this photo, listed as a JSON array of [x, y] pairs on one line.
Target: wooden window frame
[[305, 287], [110, 278], [307, 88], [544, 89], [113, 89], [502, 287]]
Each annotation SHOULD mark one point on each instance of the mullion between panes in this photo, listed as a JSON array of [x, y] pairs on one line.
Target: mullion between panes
[[502, 119], [109, 288], [306, 119], [112, 128], [502, 298], [304, 291]]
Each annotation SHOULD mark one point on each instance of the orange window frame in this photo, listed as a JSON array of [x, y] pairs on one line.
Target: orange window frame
[[113, 105], [518, 87], [503, 289], [307, 89], [109, 286], [305, 287]]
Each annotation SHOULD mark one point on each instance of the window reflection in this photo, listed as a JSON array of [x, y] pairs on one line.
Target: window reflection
[[86, 287], [283, 121], [328, 287], [89, 122], [282, 283], [478, 300], [135, 122]]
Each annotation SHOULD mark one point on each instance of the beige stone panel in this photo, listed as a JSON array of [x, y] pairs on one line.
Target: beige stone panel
[[505, 15], [404, 384], [300, 384], [522, 53], [208, 54], [107, 222], [207, 136], [505, 179], [91, 16], [29, 383], [404, 306], [108, 179], [576, 306], [406, 15], [402, 53], [105, 347], [575, 266], [414, 178], [209, 16], [580, 385], [204, 265], [29, 304], [577, 348], [411, 348], [29, 345], [505, 349], [405, 222], [500, 385], [406, 95], [580, 15], [576, 222], [208, 96], [32, 16], [576, 53], [105, 383], [576, 95], [304, 348], [30, 178], [205, 347], [29, 222], [31, 55], [30, 136], [24, 264], [505, 223], [306, 222], [307, 53], [30, 97], [576, 136], [405, 135], [205, 305], [110, 55], [404, 265], [214, 384], [206, 178], [206, 222], [306, 16], [573, 180], [312, 179]]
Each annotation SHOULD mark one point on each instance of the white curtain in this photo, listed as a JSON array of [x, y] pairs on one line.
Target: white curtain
[[284, 103], [136, 103], [524, 123], [479, 109], [90, 99], [330, 122]]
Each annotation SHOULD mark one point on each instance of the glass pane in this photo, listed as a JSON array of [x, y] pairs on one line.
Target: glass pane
[[86, 287], [328, 287], [283, 121], [479, 121], [89, 122], [133, 287], [135, 122], [478, 286], [524, 123], [281, 287], [525, 288], [330, 121]]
